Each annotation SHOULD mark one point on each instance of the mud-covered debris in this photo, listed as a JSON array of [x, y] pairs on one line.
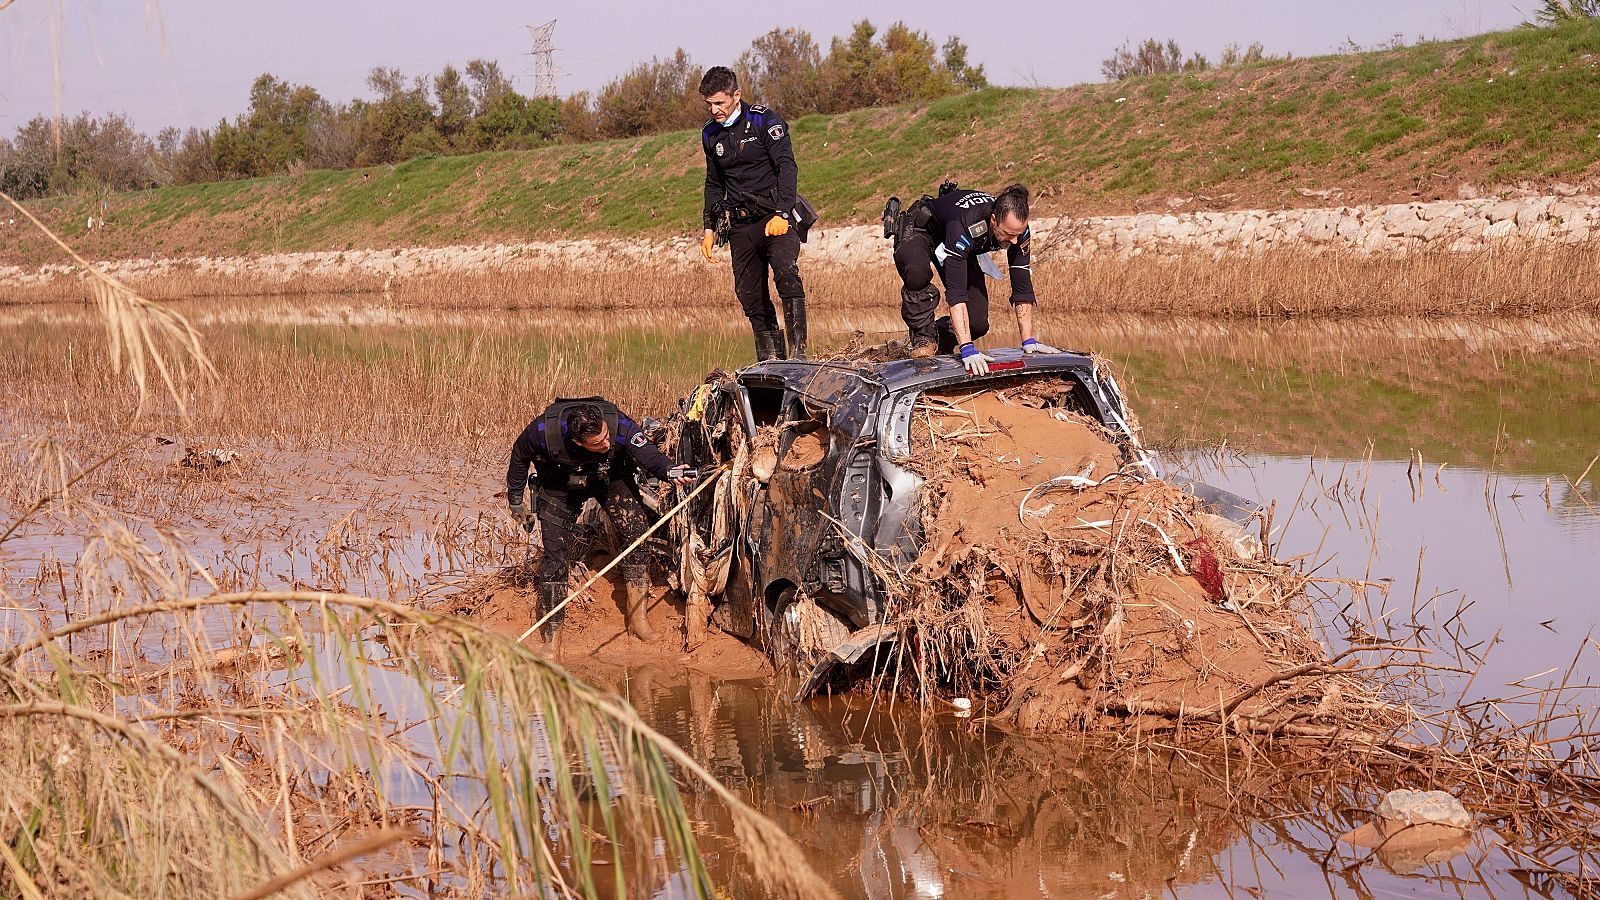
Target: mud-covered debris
[[1062, 586], [206, 460], [1413, 829], [1415, 807]]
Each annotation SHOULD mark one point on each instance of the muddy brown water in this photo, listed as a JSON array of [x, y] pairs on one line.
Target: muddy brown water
[[902, 807], [1489, 540]]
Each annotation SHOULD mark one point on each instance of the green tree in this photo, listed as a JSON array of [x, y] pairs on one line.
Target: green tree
[[850, 74], [912, 69], [660, 95], [781, 69], [272, 133], [455, 102], [516, 122], [965, 75], [28, 162], [488, 83], [865, 68], [401, 110]]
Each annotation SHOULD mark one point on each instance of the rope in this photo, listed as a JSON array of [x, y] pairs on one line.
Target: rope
[[682, 504]]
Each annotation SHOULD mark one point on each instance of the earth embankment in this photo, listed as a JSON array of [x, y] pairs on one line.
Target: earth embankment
[[1438, 121]]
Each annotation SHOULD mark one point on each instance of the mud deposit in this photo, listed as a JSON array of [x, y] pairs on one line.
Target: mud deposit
[[1066, 587]]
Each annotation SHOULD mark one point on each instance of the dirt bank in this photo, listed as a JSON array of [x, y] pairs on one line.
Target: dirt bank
[[1462, 225]]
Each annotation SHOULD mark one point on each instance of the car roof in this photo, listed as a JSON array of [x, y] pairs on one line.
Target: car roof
[[900, 374]]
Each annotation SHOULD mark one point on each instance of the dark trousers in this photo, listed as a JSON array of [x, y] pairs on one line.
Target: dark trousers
[[919, 299], [558, 515], [754, 254]]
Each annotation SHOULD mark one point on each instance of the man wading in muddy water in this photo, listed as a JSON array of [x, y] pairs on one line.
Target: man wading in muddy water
[[953, 235], [751, 199], [580, 449]]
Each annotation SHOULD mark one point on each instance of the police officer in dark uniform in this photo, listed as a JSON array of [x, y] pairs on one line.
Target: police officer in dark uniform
[[951, 234], [580, 449], [751, 179]]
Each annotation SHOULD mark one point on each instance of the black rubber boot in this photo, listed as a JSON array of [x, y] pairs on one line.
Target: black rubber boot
[[947, 335], [794, 320], [769, 345]]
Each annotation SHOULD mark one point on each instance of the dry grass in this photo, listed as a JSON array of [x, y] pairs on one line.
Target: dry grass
[[1514, 280], [1520, 281]]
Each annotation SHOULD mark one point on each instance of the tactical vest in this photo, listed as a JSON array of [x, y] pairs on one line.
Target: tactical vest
[[555, 442]]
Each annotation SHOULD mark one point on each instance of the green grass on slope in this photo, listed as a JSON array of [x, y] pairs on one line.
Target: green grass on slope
[[1492, 108]]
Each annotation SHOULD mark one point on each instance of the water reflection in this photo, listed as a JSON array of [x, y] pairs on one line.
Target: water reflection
[[890, 805], [1505, 563], [1517, 396]]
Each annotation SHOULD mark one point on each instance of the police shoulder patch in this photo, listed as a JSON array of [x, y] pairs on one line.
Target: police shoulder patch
[[776, 132], [978, 229], [639, 440]]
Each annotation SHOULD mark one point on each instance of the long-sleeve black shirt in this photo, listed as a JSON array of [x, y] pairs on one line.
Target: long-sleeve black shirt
[[961, 221], [629, 447], [750, 163]]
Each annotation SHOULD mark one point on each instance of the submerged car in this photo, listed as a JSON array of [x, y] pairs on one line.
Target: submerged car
[[831, 501]]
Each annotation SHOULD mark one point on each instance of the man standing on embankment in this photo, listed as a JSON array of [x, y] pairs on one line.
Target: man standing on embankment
[[751, 193]]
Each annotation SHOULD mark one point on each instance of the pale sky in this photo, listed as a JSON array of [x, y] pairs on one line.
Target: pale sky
[[191, 62]]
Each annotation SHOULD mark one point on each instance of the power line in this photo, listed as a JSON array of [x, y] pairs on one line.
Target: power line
[[544, 59]]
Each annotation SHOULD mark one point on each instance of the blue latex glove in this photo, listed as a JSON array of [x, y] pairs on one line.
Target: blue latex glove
[[975, 360]]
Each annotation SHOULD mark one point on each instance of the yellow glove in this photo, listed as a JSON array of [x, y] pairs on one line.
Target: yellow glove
[[707, 245], [777, 225]]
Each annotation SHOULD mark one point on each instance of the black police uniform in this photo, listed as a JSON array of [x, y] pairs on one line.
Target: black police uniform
[[751, 172], [958, 221], [566, 475]]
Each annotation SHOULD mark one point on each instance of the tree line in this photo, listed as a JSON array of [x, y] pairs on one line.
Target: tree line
[[1154, 57], [288, 127]]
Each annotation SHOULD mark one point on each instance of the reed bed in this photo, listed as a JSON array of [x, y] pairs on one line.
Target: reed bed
[[1508, 280]]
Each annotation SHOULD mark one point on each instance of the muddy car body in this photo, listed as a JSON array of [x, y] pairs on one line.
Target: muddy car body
[[834, 501]]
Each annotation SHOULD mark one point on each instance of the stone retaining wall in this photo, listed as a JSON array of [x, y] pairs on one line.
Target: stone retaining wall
[[1453, 225]]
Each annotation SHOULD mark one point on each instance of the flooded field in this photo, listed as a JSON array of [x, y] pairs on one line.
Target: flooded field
[[1441, 474]]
